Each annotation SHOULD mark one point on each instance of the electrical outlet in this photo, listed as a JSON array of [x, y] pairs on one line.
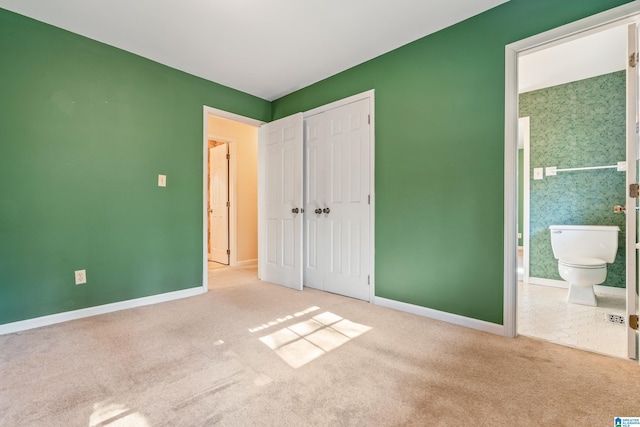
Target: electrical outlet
[[162, 180], [81, 277], [537, 173]]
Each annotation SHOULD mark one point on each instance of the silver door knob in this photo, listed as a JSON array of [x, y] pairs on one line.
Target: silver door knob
[[326, 210], [295, 210]]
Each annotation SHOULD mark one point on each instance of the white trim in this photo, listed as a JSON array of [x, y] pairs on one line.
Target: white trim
[[247, 262], [340, 103], [52, 319], [510, 194], [455, 319], [206, 111], [553, 283], [370, 94], [233, 116], [616, 16], [610, 290], [526, 197]]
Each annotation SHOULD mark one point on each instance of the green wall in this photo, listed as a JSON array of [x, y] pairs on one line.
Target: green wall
[[573, 125], [84, 131], [439, 154], [86, 128]]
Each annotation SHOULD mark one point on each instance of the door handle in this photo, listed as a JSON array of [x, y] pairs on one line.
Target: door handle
[[326, 210], [318, 211], [295, 210]]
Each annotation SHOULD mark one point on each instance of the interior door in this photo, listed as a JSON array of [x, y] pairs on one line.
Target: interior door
[[280, 201], [219, 206], [347, 213], [337, 210], [632, 177], [315, 236]]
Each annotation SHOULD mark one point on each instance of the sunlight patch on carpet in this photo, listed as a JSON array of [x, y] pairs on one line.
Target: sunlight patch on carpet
[[305, 341], [113, 414], [283, 319]]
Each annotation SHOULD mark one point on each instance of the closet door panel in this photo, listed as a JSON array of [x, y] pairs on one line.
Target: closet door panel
[[315, 236], [348, 169]]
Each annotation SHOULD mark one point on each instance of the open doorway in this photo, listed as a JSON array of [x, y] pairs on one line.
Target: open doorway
[[573, 122], [614, 88], [230, 189]]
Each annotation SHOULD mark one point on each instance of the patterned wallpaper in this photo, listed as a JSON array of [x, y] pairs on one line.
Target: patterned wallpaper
[[575, 125]]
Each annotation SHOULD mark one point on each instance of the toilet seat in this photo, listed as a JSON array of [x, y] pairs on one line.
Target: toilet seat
[[583, 262]]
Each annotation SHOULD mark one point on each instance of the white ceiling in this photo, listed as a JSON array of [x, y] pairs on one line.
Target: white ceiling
[[593, 55], [265, 48]]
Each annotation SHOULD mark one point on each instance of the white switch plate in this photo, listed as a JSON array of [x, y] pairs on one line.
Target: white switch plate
[[162, 180], [519, 235], [622, 166], [550, 171], [81, 277], [537, 173]]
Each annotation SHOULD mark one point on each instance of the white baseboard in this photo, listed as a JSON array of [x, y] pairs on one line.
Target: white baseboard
[[607, 290], [38, 322], [247, 262], [456, 319]]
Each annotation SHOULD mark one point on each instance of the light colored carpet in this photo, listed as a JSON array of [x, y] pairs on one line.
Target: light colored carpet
[[251, 353]]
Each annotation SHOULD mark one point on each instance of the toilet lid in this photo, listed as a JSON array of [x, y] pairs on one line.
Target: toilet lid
[[583, 262]]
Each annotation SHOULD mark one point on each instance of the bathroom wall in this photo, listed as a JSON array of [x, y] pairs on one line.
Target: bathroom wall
[[576, 125]]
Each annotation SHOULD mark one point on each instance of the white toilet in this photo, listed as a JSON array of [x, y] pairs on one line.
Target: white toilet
[[583, 252]]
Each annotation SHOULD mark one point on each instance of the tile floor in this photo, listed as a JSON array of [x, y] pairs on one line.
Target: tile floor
[[544, 313]]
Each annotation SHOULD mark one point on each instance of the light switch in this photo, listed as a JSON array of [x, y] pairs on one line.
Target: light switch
[[162, 180], [550, 171], [537, 173], [622, 166]]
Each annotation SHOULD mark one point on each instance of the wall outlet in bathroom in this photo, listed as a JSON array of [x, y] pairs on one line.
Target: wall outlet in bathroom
[[537, 173], [550, 171]]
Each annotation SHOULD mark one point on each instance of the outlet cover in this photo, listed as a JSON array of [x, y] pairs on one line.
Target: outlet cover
[[537, 173], [162, 180], [550, 171], [81, 277]]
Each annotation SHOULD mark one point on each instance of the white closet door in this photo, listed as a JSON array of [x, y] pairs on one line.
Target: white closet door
[[315, 240], [280, 160], [347, 192], [337, 187]]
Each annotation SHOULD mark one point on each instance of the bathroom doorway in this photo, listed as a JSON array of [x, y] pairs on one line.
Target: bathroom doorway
[[572, 138]]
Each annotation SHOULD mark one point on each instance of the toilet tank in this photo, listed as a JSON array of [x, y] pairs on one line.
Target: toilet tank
[[590, 241]]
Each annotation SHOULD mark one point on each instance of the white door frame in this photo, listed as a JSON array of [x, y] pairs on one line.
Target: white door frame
[[526, 199], [232, 184], [614, 17], [370, 94]]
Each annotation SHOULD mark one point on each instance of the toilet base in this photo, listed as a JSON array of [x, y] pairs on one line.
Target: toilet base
[[583, 295]]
